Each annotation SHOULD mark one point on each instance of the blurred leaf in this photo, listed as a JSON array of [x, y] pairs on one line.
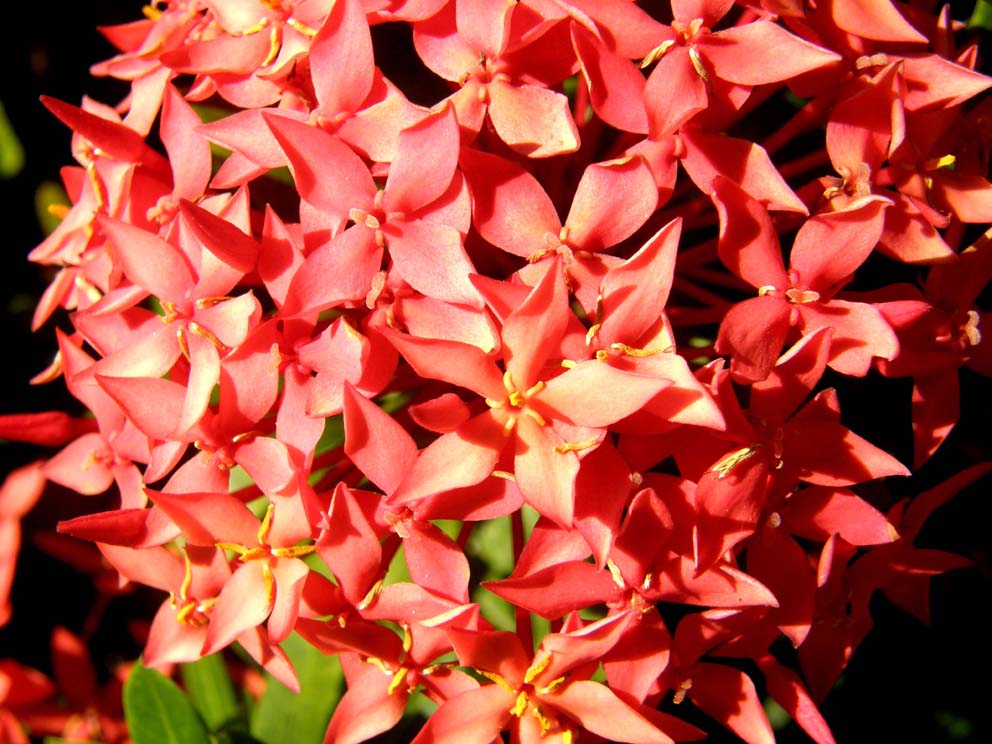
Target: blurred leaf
[[49, 194], [398, 571], [492, 543], [11, 149], [209, 686], [283, 716], [235, 737], [955, 727], [157, 711], [778, 717], [981, 16], [495, 609]]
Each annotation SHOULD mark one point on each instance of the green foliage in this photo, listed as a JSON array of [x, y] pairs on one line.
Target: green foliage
[[284, 716], [211, 691], [157, 711], [49, 194], [981, 16], [11, 149]]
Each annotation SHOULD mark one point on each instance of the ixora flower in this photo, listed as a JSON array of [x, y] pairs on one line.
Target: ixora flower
[[415, 376]]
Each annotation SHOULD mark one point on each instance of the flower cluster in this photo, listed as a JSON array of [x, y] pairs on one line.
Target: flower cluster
[[323, 329]]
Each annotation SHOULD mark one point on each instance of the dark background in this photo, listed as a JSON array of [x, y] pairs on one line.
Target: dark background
[[908, 682]]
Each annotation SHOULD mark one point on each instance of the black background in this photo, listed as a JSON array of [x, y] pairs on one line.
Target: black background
[[907, 683]]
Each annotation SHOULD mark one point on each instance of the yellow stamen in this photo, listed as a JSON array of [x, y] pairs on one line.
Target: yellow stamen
[[576, 446], [151, 12], [520, 705], [396, 681], [187, 577], [498, 679], [946, 161], [241, 550], [731, 461], [301, 27], [535, 416], [251, 30], [971, 331], [657, 53], [546, 723], [801, 296], [295, 551], [266, 526], [270, 585], [550, 687], [697, 64], [379, 664], [591, 333], [204, 333], [369, 598], [615, 573], [683, 689], [631, 351], [58, 210], [536, 668]]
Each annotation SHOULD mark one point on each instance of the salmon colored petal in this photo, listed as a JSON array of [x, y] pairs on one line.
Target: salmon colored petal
[[425, 162], [818, 512], [597, 394], [745, 163], [748, 244], [241, 605], [474, 717], [435, 562], [341, 60], [674, 93], [339, 184], [533, 121], [226, 241], [612, 201], [376, 442], [533, 331], [154, 265], [555, 591], [545, 471], [510, 208], [367, 709], [728, 695], [460, 458], [753, 333], [189, 151], [601, 712], [739, 56], [831, 245], [432, 259], [616, 86]]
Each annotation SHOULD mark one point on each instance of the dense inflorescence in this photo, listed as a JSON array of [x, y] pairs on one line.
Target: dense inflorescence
[[580, 267]]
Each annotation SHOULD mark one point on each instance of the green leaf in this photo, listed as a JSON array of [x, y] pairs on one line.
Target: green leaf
[[981, 16], [283, 716], [48, 195], [209, 686], [11, 149], [157, 711], [777, 716]]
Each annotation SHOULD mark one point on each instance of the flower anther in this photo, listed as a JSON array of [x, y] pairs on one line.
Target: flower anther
[[518, 400]]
